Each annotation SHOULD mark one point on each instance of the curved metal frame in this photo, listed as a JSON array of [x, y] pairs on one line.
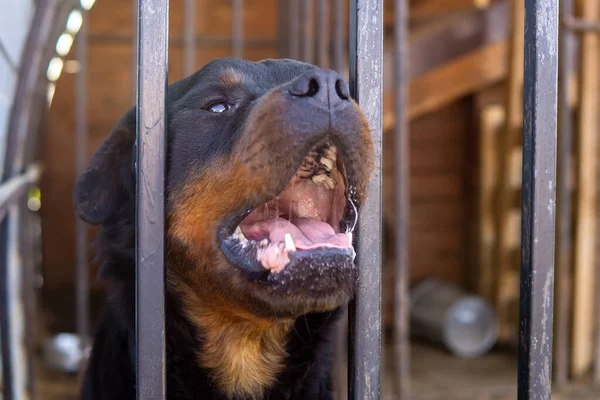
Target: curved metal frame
[[25, 118]]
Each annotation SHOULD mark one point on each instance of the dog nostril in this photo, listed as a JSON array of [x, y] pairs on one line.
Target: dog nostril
[[313, 87], [342, 89], [305, 87]]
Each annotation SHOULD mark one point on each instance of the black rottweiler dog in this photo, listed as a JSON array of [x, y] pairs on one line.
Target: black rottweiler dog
[[267, 165]]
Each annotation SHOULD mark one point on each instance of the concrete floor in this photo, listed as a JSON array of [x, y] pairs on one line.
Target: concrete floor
[[435, 375], [438, 375]]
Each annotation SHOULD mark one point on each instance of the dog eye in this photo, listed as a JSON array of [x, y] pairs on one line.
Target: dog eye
[[219, 108]]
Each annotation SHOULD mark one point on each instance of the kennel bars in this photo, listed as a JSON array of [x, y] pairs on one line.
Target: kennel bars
[[366, 54], [539, 182], [540, 89]]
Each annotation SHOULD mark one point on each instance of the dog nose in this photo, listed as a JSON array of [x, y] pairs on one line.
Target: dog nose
[[323, 85]]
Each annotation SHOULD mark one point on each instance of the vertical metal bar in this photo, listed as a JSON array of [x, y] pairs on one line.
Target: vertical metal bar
[[153, 32], [322, 35], [283, 34], [565, 142], [189, 38], [27, 250], [402, 202], [307, 31], [338, 35], [237, 29], [81, 243], [366, 86], [294, 11], [538, 212], [6, 337], [134, 48]]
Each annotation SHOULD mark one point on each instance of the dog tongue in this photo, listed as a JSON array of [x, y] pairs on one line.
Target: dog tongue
[[306, 234]]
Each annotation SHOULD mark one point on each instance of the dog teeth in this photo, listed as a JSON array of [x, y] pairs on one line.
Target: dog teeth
[[323, 179], [331, 153], [238, 234], [289, 243], [328, 163], [349, 234]]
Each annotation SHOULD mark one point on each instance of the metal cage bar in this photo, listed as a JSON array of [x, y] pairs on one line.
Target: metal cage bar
[[307, 31], [5, 320], [366, 86], [538, 208], [402, 202], [153, 25], [134, 46], [565, 204], [237, 29], [81, 129], [322, 35], [283, 31], [338, 35], [294, 24], [189, 38]]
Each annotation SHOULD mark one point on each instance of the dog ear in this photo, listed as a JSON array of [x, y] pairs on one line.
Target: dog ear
[[108, 182]]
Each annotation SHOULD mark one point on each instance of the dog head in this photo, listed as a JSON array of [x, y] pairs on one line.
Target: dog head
[[267, 165]]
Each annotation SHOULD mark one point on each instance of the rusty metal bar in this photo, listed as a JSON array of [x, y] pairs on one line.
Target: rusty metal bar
[[366, 86], [189, 38], [81, 129], [307, 31], [322, 35], [134, 46], [565, 204], [294, 23], [338, 35], [283, 33], [538, 209], [153, 32], [402, 202], [580, 25], [27, 250], [237, 29]]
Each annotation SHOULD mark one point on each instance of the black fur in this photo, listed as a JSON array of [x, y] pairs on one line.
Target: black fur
[[105, 195]]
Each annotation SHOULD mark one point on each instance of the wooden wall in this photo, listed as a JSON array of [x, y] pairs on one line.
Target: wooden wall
[[441, 170], [440, 155], [110, 94]]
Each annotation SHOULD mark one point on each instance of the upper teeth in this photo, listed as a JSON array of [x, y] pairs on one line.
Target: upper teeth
[[238, 234], [331, 152], [328, 163], [289, 242], [324, 180]]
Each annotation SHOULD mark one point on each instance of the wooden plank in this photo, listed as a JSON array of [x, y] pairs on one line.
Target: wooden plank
[[450, 37], [452, 81], [491, 120], [585, 202], [506, 166], [436, 8]]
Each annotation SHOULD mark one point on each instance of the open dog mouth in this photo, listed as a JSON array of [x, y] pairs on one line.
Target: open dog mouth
[[312, 218]]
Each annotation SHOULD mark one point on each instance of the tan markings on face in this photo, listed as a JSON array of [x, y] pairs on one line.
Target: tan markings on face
[[231, 77]]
